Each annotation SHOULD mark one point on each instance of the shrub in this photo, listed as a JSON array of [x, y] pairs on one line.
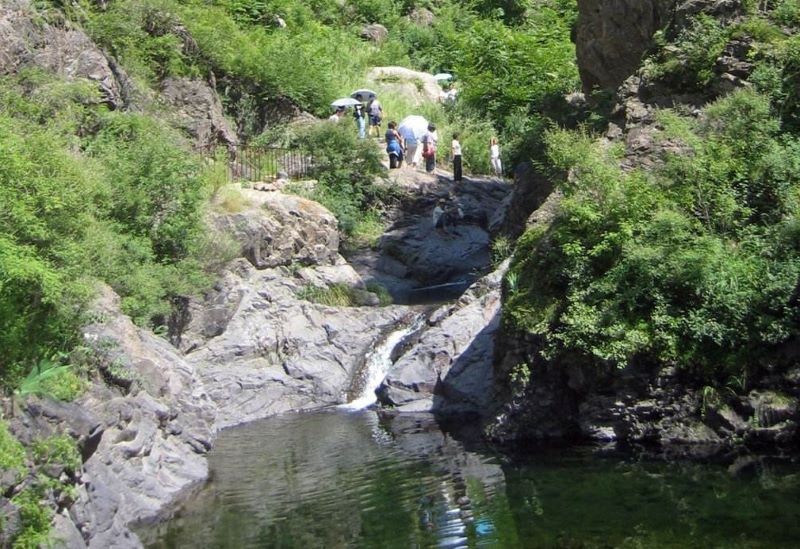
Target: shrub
[[345, 168], [689, 266]]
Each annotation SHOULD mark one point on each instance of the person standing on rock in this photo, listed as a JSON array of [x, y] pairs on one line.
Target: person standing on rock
[[375, 112], [361, 123], [494, 157], [455, 154], [429, 141]]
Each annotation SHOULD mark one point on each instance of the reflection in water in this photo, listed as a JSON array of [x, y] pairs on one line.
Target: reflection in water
[[339, 479]]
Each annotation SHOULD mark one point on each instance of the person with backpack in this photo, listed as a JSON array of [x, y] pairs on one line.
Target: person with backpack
[[375, 112], [429, 141], [358, 114]]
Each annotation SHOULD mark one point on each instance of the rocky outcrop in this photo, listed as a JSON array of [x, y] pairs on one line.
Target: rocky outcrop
[[142, 434], [27, 41], [418, 87], [412, 256], [197, 110], [447, 370], [279, 352], [531, 189], [375, 33], [612, 35], [275, 229]]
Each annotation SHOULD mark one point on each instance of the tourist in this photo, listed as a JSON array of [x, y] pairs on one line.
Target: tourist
[[336, 116], [494, 156], [455, 155], [429, 141], [358, 114], [394, 146], [375, 112]]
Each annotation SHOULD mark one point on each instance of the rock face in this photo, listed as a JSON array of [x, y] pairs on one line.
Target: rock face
[[419, 87], [27, 42], [412, 255], [278, 352], [278, 229], [448, 370], [143, 437], [198, 111], [612, 35]]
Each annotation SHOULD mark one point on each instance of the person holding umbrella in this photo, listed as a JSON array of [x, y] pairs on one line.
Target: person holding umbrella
[[358, 114]]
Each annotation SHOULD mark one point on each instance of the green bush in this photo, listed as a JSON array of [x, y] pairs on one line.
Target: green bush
[[345, 168], [693, 265]]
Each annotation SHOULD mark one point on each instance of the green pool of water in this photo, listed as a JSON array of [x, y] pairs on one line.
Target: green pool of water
[[352, 479]]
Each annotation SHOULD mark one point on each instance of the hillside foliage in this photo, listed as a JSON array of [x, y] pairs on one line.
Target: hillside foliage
[[694, 262]]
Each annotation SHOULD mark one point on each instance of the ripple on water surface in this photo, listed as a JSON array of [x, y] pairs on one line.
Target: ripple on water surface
[[339, 479]]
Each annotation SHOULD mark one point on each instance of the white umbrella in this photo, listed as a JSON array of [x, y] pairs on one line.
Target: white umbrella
[[364, 95], [442, 76], [345, 102], [413, 127]]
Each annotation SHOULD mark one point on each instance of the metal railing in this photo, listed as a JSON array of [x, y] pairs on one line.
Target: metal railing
[[266, 163]]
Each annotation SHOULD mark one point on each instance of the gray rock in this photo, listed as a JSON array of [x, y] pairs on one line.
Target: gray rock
[[154, 440], [422, 17], [27, 41], [279, 352], [375, 33], [450, 364], [280, 229], [612, 35], [198, 111]]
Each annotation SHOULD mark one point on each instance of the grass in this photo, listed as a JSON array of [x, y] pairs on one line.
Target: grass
[[337, 295], [231, 200]]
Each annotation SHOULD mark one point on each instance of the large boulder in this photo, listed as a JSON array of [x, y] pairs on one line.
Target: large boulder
[[612, 35], [276, 229], [418, 87], [448, 368]]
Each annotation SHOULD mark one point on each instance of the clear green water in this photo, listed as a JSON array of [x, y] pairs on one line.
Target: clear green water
[[339, 479]]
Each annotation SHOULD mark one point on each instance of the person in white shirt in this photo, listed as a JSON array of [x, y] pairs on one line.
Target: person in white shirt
[[335, 117], [455, 152], [494, 156]]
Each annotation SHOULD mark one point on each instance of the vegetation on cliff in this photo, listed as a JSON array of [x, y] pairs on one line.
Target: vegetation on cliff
[[693, 261]]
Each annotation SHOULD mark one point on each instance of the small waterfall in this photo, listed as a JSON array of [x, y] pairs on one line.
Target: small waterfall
[[378, 363]]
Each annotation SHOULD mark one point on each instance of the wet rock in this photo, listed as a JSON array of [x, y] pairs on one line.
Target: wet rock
[[198, 111], [450, 364], [279, 352]]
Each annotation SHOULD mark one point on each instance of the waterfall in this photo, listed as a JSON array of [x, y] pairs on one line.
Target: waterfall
[[378, 363]]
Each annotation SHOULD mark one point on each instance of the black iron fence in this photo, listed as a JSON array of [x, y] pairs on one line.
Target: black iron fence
[[267, 163]]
